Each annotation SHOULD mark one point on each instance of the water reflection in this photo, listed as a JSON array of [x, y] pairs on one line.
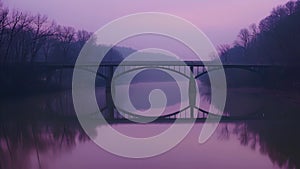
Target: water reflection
[[47, 135], [279, 140], [48, 126]]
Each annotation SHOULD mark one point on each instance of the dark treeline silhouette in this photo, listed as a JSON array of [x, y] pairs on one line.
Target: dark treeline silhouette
[[275, 40], [27, 39], [34, 38]]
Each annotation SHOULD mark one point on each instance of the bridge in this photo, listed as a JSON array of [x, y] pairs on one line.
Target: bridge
[[192, 70]]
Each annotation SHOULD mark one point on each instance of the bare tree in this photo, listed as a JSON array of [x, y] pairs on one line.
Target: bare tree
[[83, 36], [265, 24], [47, 48], [3, 24], [223, 51], [279, 12], [290, 7], [21, 44], [253, 30], [244, 38], [22, 39], [297, 5], [18, 22], [66, 35], [42, 29]]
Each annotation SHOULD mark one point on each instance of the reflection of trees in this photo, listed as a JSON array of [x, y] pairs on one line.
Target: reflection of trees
[[249, 103], [277, 139], [19, 140], [47, 125]]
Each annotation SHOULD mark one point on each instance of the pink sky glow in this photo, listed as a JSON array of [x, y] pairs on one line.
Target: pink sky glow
[[221, 20]]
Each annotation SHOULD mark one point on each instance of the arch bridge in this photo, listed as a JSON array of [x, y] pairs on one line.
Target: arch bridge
[[192, 70]]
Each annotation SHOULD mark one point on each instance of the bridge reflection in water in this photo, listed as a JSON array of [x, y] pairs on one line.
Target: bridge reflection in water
[[191, 70], [42, 132]]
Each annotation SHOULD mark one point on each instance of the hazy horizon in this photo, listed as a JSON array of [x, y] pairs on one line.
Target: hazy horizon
[[220, 20]]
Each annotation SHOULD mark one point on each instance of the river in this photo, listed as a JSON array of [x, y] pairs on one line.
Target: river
[[42, 131]]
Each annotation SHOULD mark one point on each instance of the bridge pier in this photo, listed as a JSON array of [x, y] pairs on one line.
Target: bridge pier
[[192, 92], [109, 99]]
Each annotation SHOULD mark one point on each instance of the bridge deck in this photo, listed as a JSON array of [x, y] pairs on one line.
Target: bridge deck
[[151, 63]]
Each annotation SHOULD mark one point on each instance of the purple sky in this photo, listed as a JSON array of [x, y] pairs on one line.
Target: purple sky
[[221, 20]]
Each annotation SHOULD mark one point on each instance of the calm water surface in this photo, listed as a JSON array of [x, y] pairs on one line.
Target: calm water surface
[[42, 131]]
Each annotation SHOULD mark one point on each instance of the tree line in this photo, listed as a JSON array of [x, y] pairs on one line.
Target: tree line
[[275, 40], [34, 38], [27, 38]]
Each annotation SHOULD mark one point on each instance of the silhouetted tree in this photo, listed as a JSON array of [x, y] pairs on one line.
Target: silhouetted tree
[[82, 37], [290, 7], [3, 24], [18, 22], [41, 30], [223, 51], [244, 38], [66, 36], [274, 41]]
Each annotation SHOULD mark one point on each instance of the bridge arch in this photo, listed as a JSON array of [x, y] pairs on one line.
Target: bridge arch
[[149, 67]]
